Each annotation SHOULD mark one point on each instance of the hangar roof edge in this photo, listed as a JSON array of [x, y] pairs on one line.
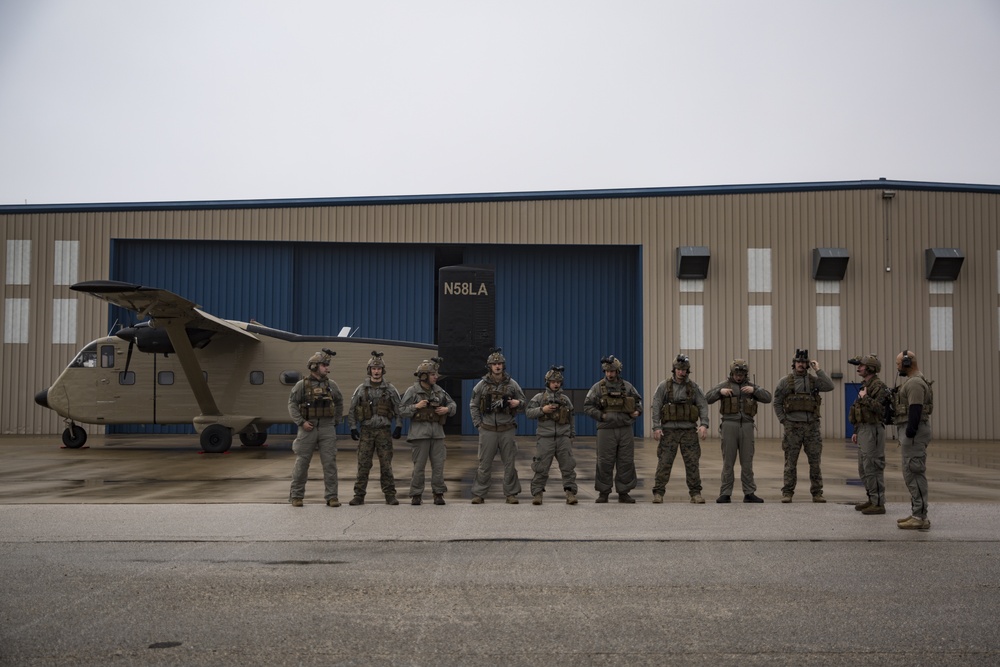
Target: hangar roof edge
[[385, 200]]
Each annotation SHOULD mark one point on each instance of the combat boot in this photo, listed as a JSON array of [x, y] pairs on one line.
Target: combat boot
[[863, 506], [333, 502], [874, 509], [357, 500], [478, 500], [570, 498], [786, 497], [657, 498], [915, 523], [511, 500], [391, 500], [723, 499], [602, 497], [697, 499], [415, 500], [439, 499], [752, 498], [537, 499], [818, 498], [626, 498], [296, 502]]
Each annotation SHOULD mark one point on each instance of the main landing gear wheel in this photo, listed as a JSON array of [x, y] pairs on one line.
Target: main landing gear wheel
[[253, 439], [74, 437], [216, 439]]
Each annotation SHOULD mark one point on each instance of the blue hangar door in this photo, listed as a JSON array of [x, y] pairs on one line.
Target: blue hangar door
[[566, 306], [380, 291]]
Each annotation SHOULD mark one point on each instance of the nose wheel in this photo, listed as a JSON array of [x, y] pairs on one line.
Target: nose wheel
[[74, 437]]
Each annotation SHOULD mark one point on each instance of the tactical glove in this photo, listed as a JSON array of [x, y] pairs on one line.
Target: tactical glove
[[397, 432], [355, 435]]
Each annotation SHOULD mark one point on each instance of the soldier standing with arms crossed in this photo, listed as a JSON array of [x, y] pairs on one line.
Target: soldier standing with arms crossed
[[796, 404], [914, 404], [316, 405], [495, 402], [374, 407], [869, 432], [678, 406], [740, 399], [556, 430], [428, 406], [614, 404]]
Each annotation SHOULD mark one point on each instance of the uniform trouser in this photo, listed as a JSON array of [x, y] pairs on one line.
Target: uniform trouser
[[489, 443], [871, 460], [547, 447], [799, 436], [324, 438], [375, 440], [615, 460], [737, 440], [915, 466], [685, 439], [434, 449]]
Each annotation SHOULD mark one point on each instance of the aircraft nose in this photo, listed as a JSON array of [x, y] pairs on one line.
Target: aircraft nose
[[42, 398]]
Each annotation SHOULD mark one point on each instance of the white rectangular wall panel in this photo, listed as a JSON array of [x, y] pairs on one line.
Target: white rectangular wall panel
[[827, 287], [940, 287], [692, 327], [942, 329], [63, 321], [758, 269], [65, 261], [759, 320], [828, 327], [692, 285], [15, 321], [18, 262]]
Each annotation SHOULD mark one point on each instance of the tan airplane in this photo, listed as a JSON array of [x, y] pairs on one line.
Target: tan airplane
[[223, 376]]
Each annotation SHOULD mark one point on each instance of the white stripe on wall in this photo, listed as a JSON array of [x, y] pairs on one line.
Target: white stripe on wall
[[828, 327], [692, 285], [692, 327], [18, 262], [63, 321], [758, 269], [15, 321], [759, 319], [66, 261], [942, 329]]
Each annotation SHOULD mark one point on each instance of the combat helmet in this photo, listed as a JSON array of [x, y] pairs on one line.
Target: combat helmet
[[375, 362], [496, 357], [610, 363], [428, 366], [322, 357], [869, 360], [682, 362], [800, 355], [739, 365], [554, 374]]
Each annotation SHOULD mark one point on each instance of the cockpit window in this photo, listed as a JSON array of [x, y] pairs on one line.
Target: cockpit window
[[107, 356], [87, 358]]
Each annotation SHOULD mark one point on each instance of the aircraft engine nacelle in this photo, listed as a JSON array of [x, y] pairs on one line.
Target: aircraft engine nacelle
[[156, 341]]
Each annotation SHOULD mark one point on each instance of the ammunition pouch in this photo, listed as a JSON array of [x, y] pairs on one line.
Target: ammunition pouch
[[731, 406], [560, 416], [615, 402], [318, 409], [679, 412], [428, 415], [802, 403]]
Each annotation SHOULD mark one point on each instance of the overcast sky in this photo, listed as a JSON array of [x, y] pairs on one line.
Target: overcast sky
[[179, 100]]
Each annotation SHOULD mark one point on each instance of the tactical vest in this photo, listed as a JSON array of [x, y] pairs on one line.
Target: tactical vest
[[682, 411], [802, 402], [495, 397], [869, 409], [731, 404], [317, 400], [616, 401], [367, 408], [427, 414], [903, 410], [561, 416]]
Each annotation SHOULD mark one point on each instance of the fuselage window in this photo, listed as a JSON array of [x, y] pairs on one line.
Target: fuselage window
[[126, 377], [256, 377], [107, 356], [290, 377], [86, 359], [165, 377]]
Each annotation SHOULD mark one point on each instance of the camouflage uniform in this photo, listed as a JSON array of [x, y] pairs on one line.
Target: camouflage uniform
[[801, 428], [678, 432], [615, 440], [915, 390], [866, 416], [555, 436], [497, 426], [371, 398], [426, 436], [323, 436], [736, 427]]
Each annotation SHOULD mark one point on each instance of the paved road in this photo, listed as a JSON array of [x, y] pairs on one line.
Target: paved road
[[92, 576]]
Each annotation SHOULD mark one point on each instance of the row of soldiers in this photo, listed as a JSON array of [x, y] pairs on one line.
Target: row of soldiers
[[679, 419]]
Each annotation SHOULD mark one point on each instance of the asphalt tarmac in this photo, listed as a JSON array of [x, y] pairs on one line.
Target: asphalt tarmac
[[141, 550]]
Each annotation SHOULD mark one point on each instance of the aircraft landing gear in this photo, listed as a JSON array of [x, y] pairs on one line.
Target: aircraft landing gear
[[216, 439], [255, 439], [74, 436]]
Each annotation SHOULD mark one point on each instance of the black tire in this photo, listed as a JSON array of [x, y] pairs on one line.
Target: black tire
[[74, 437], [216, 439], [255, 439]]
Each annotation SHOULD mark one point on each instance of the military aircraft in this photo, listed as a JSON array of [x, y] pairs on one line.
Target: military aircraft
[[224, 377]]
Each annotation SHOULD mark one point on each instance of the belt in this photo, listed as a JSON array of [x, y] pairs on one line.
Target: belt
[[501, 427]]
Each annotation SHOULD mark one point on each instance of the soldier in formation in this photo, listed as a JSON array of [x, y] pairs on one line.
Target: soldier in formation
[[866, 416], [913, 406], [614, 404], [680, 420], [316, 406], [554, 412], [496, 401], [374, 409], [428, 407]]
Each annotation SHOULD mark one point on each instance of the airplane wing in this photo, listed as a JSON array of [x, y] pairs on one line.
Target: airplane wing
[[174, 314]]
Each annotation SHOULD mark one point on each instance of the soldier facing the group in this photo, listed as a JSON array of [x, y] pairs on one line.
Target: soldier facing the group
[[556, 430], [914, 404], [374, 409], [680, 419], [867, 417]]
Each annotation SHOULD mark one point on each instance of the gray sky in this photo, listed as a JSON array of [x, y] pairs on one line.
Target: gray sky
[[119, 100]]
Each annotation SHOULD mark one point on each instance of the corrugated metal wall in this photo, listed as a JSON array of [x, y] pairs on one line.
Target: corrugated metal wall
[[879, 311]]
